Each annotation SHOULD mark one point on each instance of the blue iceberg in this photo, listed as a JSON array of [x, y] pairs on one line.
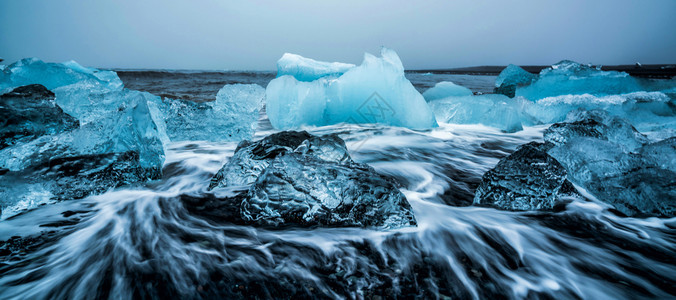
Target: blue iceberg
[[616, 163], [53, 75], [94, 136], [446, 89], [510, 78], [233, 116], [493, 110], [307, 69], [375, 92], [571, 78]]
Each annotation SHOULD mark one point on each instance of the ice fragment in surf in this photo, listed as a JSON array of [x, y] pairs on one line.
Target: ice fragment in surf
[[299, 179], [232, 117], [28, 112], [446, 89], [571, 78], [510, 78], [304, 190], [251, 158], [374, 92], [491, 110], [307, 69], [608, 157], [528, 179], [117, 142], [54, 75]]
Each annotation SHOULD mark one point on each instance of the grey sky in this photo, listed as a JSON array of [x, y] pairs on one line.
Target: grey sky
[[252, 35]]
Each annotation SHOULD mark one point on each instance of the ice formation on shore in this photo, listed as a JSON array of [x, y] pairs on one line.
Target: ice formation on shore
[[374, 92], [494, 110], [295, 178], [601, 153], [446, 89], [109, 136], [307, 69], [510, 78], [233, 116], [571, 78]]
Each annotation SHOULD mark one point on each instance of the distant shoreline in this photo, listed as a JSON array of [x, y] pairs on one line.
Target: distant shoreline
[[647, 71]]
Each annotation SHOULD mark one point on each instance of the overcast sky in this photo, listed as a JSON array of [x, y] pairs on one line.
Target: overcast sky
[[252, 35]]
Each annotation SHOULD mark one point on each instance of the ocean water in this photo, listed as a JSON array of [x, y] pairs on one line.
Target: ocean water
[[143, 242]]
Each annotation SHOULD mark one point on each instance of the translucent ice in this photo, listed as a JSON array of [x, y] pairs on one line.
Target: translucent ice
[[307, 69], [54, 75], [375, 92], [528, 179], [232, 117], [491, 110], [304, 190], [122, 147], [571, 78], [446, 89], [510, 78], [29, 112], [295, 178], [608, 157], [118, 140]]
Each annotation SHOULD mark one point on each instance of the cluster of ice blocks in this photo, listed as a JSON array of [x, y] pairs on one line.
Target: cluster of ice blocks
[[70, 131], [567, 86], [307, 92]]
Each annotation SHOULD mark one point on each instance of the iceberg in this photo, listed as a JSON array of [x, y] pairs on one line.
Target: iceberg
[[374, 92], [528, 179], [601, 153], [28, 112], [93, 136], [53, 75], [616, 163], [571, 78], [295, 178], [510, 78], [446, 89], [493, 110], [307, 69], [233, 116]]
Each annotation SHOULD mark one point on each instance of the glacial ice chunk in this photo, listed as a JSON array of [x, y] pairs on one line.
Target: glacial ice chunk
[[510, 78], [123, 146], [232, 117], [375, 92], [446, 89], [307, 69], [571, 78], [528, 179], [491, 110], [304, 190], [608, 157], [28, 112], [295, 178], [53, 75], [251, 158]]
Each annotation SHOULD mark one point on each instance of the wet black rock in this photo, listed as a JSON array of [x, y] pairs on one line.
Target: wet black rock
[[28, 112], [297, 179], [528, 179]]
